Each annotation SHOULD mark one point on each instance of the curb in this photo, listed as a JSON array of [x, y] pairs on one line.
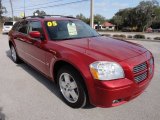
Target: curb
[[143, 40], [135, 39]]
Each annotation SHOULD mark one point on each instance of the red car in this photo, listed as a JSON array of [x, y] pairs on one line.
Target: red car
[[87, 67]]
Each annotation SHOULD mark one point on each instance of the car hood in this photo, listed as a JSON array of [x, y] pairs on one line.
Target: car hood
[[103, 47]]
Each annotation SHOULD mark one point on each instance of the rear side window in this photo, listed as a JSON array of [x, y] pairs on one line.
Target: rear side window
[[23, 27], [8, 23], [15, 26]]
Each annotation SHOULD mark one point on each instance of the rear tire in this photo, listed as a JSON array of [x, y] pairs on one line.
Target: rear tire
[[14, 55], [71, 87]]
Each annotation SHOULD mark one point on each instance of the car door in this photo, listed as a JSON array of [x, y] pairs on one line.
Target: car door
[[20, 37], [35, 47]]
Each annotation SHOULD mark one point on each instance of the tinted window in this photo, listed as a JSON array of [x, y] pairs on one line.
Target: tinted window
[[35, 26], [15, 27], [23, 27], [8, 23], [69, 29]]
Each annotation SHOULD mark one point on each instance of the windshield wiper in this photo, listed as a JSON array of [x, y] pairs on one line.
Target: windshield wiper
[[68, 38], [78, 37]]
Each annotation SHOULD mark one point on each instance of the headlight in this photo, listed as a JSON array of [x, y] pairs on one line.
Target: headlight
[[103, 70]]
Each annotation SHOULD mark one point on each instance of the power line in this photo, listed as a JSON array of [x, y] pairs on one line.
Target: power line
[[56, 5], [6, 1], [40, 4]]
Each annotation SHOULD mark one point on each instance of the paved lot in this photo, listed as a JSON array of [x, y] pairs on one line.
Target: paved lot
[[27, 95], [150, 35]]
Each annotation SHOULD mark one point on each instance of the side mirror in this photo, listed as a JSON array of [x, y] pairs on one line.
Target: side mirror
[[35, 34]]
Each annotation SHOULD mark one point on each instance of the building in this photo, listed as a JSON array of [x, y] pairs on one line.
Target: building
[[105, 26], [108, 26]]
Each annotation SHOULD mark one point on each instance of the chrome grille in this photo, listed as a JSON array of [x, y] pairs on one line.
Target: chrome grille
[[141, 77], [140, 67]]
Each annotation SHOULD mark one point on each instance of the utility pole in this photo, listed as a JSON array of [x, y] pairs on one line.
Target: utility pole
[[92, 13], [24, 8], [12, 9]]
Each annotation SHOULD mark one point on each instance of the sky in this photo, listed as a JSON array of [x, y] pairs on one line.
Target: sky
[[107, 8]]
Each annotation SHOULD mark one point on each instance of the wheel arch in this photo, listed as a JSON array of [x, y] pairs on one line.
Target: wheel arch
[[61, 63], [58, 64]]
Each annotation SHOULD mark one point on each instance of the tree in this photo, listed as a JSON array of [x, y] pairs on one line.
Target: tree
[[2, 10], [39, 13], [156, 22], [139, 17], [145, 11], [83, 18], [99, 19], [118, 20]]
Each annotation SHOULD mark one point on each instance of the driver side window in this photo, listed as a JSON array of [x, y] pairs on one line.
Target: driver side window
[[35, 26]]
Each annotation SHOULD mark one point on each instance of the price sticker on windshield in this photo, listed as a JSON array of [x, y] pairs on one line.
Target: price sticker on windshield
[[52, 24], [72, 29]]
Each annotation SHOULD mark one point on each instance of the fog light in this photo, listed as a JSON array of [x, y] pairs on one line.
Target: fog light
[[117, 101]]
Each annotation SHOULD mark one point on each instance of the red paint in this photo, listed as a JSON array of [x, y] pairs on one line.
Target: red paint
[[35, 34], [43, 55]]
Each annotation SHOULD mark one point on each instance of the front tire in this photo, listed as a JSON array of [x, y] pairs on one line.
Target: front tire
[[14, 55], [71, 87]]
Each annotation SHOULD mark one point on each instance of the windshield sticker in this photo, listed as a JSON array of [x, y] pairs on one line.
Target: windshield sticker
[[72, 29], [52, 24]]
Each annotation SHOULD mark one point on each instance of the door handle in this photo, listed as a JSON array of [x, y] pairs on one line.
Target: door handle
[[19, 39], [29, 42]]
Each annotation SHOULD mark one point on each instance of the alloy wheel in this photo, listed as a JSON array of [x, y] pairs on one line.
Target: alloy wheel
[[68, 87]]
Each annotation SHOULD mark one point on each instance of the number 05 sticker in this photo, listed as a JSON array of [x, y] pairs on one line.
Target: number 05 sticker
[[52, 24]]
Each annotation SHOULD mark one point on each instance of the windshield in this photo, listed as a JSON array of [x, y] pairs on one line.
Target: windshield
[[8, 23], [69, 29]]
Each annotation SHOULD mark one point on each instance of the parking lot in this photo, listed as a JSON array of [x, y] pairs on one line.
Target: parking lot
[[27, 95]]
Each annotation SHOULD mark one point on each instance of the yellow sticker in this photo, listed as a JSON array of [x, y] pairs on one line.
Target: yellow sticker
[[52, 24], [49, 24]]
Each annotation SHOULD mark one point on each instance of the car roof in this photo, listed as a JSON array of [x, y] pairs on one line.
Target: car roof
[[50, 18]]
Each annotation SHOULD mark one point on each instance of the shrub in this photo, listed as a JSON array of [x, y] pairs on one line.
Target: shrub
[[122, 36], [148, 38], [119, 36], [108, 35], [115, 35], [138, 36], [129, 36], [157, 38]]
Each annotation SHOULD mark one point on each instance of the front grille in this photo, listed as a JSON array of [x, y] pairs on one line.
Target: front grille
[[140, 67], [140, 77], [140, 72]]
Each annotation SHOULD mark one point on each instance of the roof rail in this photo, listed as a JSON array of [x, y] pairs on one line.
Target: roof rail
[[59, 16], [32, 17], [44, 16]]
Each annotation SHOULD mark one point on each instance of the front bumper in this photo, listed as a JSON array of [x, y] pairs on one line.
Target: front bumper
[[5, 30], [117, 96], [117, 92]]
